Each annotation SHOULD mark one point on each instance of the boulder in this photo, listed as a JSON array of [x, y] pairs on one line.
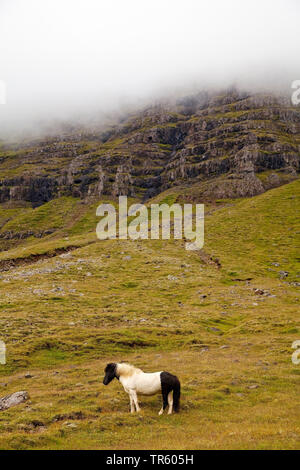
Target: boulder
[[13, 400]]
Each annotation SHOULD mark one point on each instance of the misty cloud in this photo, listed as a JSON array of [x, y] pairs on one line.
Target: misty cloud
[[68, 58]]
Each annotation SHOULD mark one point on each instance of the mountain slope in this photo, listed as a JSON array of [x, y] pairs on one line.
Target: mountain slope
[[227, 144]]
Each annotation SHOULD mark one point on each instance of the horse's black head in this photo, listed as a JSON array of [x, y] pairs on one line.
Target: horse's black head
[[110, 373]]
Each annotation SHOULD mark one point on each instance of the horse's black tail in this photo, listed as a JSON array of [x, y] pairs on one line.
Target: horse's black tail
[[169, 383], [176, 395]]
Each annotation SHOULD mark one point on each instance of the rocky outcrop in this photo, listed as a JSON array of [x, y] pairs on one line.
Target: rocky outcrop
[[97, 189], [34, 189], [237, 143], [123, 185], [11, 235]]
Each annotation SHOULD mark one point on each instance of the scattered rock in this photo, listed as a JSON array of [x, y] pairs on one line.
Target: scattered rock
[[37, 291], [57, 289], [172, 278], [13, 400], [203, 350], [253, 387], [35, 423], [283, 274], [70, 425], [127, 258], [68, 416], [65, 255], [261, 292]]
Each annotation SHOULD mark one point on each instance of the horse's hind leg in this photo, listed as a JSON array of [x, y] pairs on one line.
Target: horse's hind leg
[[165, 401], [170, 402]]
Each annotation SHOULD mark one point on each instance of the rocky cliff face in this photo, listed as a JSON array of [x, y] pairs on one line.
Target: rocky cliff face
[[222, 145]]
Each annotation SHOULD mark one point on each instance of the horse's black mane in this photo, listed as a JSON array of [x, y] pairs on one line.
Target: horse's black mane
[[110, 367]]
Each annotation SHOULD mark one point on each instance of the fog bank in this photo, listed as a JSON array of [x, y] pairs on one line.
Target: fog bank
[[67, 59]]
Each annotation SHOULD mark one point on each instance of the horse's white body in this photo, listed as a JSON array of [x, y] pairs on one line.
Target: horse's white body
[[136, 381], [141, 382]]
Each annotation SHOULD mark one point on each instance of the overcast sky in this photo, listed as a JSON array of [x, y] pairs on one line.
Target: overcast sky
[[61, 57]]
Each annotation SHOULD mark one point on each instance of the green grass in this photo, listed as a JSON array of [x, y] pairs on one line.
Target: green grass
[[266, 230], [63, 318], [52, 215]]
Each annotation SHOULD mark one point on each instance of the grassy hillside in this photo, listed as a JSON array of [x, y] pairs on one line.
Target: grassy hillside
[[226, 330]]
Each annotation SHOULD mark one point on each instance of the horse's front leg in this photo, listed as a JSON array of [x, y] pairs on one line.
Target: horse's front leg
[[135, 399], [131, 403]]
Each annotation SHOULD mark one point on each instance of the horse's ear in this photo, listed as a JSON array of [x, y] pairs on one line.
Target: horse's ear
[[111, 366]]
